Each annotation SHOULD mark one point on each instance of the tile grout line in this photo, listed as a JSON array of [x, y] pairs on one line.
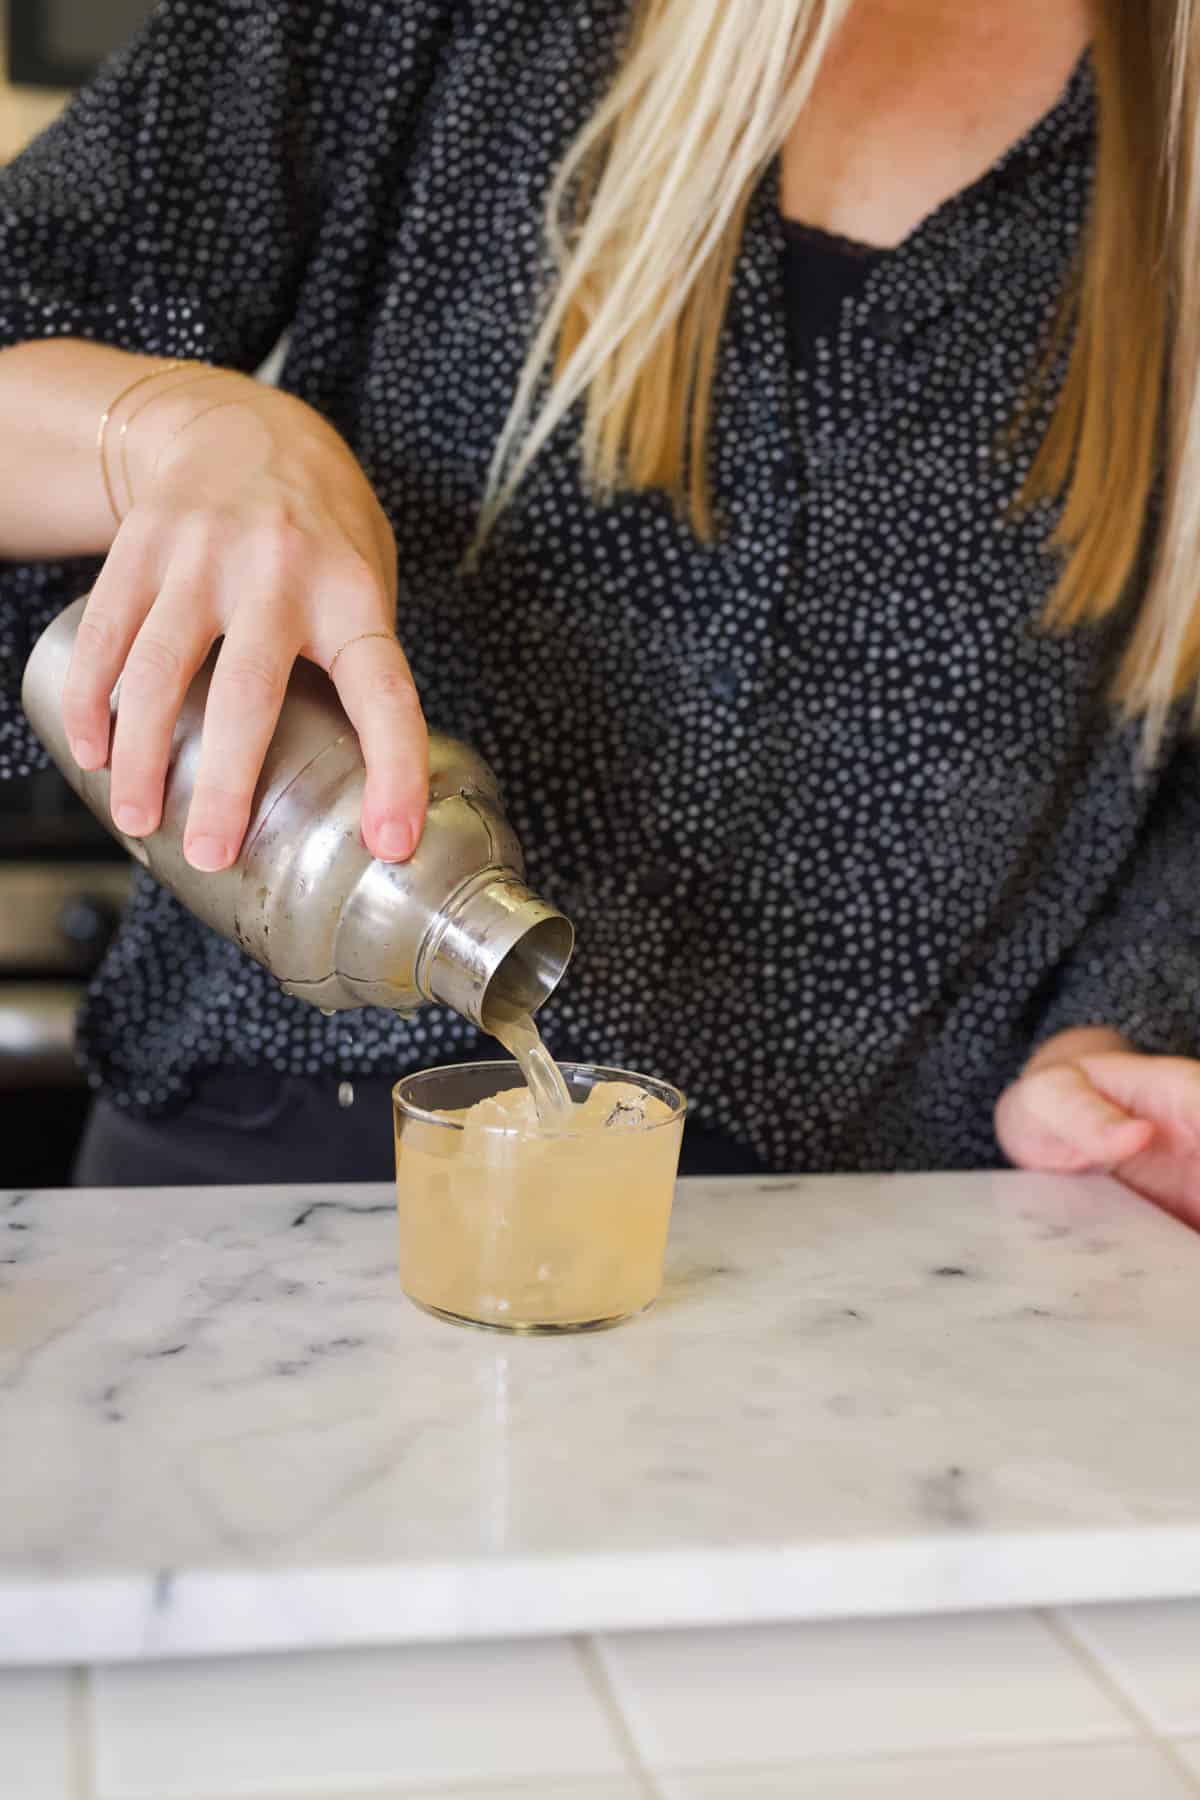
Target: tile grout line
[[602, 1687], [80, 1735], [1086, 1657]]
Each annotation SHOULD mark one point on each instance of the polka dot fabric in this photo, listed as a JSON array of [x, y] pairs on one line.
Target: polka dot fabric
[[842, 832]]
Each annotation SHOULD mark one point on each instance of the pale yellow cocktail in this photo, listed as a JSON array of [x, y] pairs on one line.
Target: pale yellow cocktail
[[506, 1223]]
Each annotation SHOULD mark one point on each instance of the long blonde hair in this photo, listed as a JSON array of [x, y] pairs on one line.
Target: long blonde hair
[[645, 220]]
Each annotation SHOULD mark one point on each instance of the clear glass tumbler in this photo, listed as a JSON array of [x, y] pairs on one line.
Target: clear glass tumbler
[[526, 1230]]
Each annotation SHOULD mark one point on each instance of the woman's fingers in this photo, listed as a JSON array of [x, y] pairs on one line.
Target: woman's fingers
[[270, 579], [124, 592], [1159, 1174], [377, 690], [1163, 1088], [1055, 1119], [171, 645], [244, 699], [376, 687]]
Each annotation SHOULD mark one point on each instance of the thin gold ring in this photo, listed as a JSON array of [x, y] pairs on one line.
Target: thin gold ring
[[360, 639]]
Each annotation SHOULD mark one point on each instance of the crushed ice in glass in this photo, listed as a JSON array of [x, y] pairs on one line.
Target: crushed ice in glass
[[610, 1105]]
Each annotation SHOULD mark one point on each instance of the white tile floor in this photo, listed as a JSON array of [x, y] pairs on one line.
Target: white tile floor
[[619, 1788], [353, 1719], [1100, 1703], [1098, 1772], [35, 1739], [1153, 1651], [697, 1699]]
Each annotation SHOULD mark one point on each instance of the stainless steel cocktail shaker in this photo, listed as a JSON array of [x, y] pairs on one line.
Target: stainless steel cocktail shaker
[[305, 898]]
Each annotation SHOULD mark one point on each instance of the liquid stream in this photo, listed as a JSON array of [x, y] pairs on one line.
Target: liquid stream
[[521, 1038]]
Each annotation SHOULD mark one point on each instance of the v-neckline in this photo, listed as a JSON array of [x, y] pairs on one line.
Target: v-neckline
[[962, 198]]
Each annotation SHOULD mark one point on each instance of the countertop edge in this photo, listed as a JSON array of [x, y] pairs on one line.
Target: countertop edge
[[206, 1613]]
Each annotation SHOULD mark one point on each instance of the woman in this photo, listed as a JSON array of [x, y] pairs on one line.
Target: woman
[[728, 516]]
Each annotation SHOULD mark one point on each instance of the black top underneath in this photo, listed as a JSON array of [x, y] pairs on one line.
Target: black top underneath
[[821, 271]]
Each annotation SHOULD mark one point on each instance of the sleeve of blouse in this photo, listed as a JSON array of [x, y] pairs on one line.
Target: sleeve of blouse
[[173, 208], [1137, 967]]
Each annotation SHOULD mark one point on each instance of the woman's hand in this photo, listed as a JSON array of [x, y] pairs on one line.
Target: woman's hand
[[1087, 1101], [251, 520]]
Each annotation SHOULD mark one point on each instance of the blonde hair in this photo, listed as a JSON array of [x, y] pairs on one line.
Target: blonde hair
[[644, 222]]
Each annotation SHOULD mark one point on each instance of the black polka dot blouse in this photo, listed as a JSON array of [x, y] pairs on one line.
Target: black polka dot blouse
[[842, 832]]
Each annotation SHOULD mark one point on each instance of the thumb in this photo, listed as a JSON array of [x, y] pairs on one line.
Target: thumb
[[1055, 1119]]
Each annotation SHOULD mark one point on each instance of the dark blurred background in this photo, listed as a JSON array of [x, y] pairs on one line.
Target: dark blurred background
[[63, 882], [58, 43]]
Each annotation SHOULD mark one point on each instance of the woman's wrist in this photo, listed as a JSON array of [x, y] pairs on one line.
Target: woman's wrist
[[141, 434]]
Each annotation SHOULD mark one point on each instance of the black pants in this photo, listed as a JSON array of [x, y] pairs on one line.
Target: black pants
[[258, 1128]]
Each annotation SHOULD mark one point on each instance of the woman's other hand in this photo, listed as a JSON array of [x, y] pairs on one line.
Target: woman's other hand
[[249, 519], [1086, 1101]]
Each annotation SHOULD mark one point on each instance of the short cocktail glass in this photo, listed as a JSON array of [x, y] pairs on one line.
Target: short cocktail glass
[[518, 1228]]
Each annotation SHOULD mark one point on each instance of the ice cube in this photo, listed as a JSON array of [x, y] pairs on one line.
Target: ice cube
[[510, 1110], [626, 1115], [626, 1106], [593, 1114]]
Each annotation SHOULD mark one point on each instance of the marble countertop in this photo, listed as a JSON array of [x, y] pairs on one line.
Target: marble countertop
[[222, 1428]]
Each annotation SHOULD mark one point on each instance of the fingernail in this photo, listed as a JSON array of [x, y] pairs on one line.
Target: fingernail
[[207, 854], [88, 753], [395, 839], [132, 820]]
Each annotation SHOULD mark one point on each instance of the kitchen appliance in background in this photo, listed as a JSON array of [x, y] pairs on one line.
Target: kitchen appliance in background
[[61, 43], [63, 883]]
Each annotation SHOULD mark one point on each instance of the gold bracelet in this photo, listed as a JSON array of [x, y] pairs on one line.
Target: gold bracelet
[[206, 369], [262, 391], [195, 420], [102, 434]]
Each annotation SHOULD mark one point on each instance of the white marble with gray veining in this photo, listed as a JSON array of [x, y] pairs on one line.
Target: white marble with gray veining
[[223, 1428]]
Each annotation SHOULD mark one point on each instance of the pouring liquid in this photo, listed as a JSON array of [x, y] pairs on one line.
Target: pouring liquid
[[521, 1038]]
